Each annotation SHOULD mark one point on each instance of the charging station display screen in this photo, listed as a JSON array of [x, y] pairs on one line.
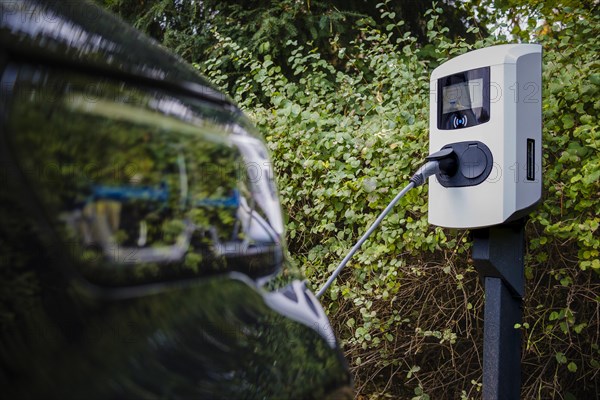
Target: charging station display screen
[[463, 96], [463, 99]]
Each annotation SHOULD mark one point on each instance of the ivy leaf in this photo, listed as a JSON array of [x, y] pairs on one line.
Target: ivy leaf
[[567, 121]]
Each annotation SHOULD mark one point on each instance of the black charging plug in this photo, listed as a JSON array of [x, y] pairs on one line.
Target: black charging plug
[[447, 161], [463, 164], [443, 162]]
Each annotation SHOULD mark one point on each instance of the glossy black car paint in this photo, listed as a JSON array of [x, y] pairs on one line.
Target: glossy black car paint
[[69, 334]]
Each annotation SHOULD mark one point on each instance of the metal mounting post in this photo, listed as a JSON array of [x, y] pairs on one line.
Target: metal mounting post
[[498, 253]]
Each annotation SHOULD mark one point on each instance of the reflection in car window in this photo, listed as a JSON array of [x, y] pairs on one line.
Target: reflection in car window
[[140, 185]]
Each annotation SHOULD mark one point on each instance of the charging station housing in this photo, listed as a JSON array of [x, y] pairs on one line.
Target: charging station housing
[[487, 106]]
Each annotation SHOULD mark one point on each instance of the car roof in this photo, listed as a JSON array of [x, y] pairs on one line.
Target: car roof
[[81, 34]]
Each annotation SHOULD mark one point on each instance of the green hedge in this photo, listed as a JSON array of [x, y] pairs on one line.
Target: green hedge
[[347, 134]]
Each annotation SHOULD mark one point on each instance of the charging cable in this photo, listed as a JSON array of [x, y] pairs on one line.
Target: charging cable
[[443, 161]]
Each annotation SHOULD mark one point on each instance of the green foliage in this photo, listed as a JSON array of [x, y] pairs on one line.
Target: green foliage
[[264, 26], [408, 307], [347, 129]]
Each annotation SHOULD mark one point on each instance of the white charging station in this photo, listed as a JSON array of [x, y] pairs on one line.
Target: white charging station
[[484, 171], [486, 105]]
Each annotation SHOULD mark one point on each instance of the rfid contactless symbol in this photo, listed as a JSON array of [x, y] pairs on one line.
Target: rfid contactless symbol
[[459, 121]]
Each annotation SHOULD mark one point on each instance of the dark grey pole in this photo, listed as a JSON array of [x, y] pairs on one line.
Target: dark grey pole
[[498, 253]]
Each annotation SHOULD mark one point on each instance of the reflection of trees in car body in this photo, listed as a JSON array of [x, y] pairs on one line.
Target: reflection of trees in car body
[[106, 135], [151, 203], [233, 327]]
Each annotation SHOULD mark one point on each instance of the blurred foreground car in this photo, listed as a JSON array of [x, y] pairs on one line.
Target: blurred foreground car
[[140, 227]]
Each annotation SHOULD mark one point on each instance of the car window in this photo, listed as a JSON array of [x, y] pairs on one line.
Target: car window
[[140, 185]]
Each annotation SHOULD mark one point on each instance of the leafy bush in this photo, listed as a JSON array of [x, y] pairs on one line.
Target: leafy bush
[[408, 308]]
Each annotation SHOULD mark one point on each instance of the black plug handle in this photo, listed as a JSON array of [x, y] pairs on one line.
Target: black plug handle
[[447, 159], [440, 155]]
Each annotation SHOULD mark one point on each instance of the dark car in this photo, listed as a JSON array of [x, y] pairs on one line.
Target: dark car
[[142, 249]]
